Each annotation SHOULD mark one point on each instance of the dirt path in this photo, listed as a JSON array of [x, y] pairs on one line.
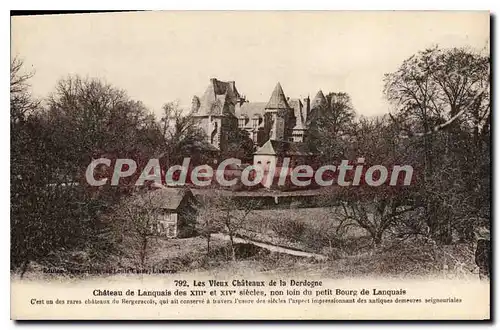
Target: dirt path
[[271, 247]]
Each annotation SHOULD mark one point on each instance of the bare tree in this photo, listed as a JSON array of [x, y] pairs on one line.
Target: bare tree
[[223, 213], [441, 96], [136, 222], [207, 224], [51, 148], [181, 135], [330, 126], [22, 102], [375, 209], [376, 216]]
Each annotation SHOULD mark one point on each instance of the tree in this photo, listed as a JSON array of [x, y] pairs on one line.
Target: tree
[[376, 215], [52, 209], [330, 126], [22, 104], [182, 137], [207, 224], [375, 209], [135, 221], [89, 117], [240, 145], [342, 114], [23, 166], [220, 212], [443, 95]]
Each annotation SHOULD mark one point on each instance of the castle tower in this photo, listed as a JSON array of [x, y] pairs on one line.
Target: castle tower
[[276, 112], [299, 130], [318, 105], [319, 101], [215, 111], [307, 107]]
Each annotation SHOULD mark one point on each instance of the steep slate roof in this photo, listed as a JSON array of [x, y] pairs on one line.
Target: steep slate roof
[[278, 99], [215, 97], [318, 105], [169, 198], [163, 198], [297, 107], [249, 109], [282, 148], [319, 100]]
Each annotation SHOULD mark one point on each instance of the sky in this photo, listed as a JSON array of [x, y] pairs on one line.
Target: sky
[[158, 57]]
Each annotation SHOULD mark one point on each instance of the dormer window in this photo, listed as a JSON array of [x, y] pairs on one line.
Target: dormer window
[[256, 121], [242, 121]]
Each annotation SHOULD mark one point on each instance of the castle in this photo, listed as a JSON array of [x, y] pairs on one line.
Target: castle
[[283, 120]]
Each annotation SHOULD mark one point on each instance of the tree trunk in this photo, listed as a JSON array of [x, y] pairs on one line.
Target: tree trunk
[[466, 232], [208, 244], [432, 208], [231, 238], [439, 224], [24, 268], [431, 218], [144, 251], [233, 252], [377, 238]]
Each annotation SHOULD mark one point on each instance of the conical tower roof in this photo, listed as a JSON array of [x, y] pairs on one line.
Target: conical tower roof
[[319, 100], [278, 99]]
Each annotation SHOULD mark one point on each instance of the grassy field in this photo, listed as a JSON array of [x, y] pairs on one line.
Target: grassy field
[[312, 230], [308, 229], [406, 260], [261, 192]]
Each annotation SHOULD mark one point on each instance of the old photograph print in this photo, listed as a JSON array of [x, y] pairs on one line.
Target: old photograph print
[[250, 165]]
